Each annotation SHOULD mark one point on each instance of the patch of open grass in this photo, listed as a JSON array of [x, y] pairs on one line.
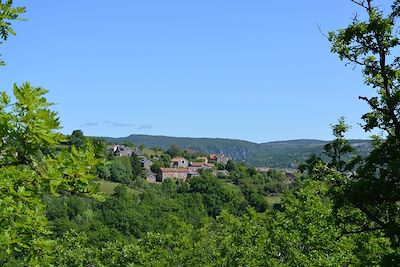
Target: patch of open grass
[[273, 200], [108, 187], [151, 152], [234, 187]]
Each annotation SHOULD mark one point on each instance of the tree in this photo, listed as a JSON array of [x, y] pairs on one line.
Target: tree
[[121, 170], [27, 127], [339, 147], [156, 166], [156, 150], [174, 150], [216, 196], [27, 130], [77, 139], [305, 233], [8, 13], [374, 189], [103, 171], [142, 146], [128, 143], [136, 166], [230, 165]]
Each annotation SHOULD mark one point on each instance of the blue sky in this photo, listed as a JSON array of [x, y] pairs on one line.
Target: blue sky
[[256, 70]]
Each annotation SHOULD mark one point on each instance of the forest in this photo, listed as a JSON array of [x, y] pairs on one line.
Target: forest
[[342, 209]]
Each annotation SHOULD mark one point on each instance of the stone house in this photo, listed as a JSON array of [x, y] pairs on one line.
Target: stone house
[[223, 159], [151, 177], [197, 164], [219, 158], [195, 167], [138, 152], [123, 151], [174, 173], [179, 162], [213, 157], [146, 163]]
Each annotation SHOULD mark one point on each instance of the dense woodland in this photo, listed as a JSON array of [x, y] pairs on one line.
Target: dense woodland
[[342, 209]]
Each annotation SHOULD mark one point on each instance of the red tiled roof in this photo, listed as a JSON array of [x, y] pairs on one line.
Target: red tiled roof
[[213, 156], [197, 164], [173, 170]]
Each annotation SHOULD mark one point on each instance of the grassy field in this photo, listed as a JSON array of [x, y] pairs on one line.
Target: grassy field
[[151, 152], [273, 200], [234, 187], [108, 187]]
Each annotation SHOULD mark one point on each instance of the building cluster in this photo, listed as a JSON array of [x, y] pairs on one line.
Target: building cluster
[[180, 168], [121, 150]]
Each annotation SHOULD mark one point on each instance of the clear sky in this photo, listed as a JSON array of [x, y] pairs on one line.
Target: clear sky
[[258, 70]]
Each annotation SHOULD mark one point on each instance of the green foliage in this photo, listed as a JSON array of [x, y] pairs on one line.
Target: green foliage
[[23, 225], [121, 170], [174, 151], [163, 162], [70, 171], [136, 166], [327, 219], [27, 126], [8, 14], [128, 143], [103, 172], [244, 241], [306, 233], [339, 147], [76, 139], [374, 189], [28, 130], [215, 195], [256, 187], [230, 166]]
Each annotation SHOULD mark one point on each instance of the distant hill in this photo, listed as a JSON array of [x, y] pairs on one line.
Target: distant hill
[[281, 154]]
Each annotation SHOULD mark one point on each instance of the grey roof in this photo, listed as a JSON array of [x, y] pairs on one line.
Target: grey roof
[[137, 152], [123, 151]]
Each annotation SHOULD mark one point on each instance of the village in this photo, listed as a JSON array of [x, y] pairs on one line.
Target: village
[[180, 168]]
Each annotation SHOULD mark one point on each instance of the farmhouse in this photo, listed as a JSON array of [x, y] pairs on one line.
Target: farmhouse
[[146, 163], [197, 164], [179, 163], [151, 177], [138, 153], [179, 174], [123, 151]]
